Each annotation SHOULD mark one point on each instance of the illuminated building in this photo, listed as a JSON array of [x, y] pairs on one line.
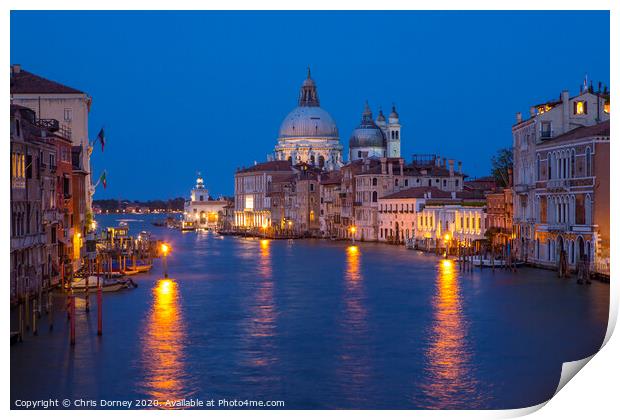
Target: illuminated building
[[533, 160], [203, 212], [571, 198]]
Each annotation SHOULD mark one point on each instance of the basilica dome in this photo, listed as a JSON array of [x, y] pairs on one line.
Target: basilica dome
[[308, 121]]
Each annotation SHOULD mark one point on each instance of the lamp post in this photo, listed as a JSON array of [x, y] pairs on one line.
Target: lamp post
[[353, 229], [446, 239], [165, 248]]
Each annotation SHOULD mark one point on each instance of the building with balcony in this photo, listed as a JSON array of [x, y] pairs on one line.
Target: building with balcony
[[33, 203], [572, 198], [547, 121]]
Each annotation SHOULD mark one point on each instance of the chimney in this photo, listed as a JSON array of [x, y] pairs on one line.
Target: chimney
[[519, 117], [565, 111], [444, 163], [451, 164], [460, 165], [16, 68], [532, 111]]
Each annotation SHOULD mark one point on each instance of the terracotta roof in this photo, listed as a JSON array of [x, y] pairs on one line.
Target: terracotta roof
[[598, 130], [333, 177], [418, 192], [271, 166], [23, 81]]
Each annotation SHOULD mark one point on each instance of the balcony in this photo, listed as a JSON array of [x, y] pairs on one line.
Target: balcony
[[558, 227], [51, 216], [48, 124], [558, 184]]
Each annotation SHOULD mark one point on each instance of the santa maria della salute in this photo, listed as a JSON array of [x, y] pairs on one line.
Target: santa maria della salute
[[309, 134]]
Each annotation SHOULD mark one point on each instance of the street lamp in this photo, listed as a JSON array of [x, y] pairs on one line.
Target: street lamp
[[446, 239], [165, 248], [353, 229]]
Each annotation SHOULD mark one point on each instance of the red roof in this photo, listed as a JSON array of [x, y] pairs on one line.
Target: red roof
[[271, 166], [23, 81], [418, 192]]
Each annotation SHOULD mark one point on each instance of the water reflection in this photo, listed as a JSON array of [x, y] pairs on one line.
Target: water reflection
[[354, 366], [164, 345], [260, 330], [449, 378]]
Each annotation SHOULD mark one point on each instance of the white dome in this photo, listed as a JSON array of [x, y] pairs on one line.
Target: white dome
[[308, 121]]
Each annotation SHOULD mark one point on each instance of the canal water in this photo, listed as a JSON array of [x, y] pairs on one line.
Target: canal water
[[318, 325]]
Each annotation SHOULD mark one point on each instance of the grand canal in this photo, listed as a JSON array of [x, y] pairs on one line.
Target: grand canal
[[317, 324]]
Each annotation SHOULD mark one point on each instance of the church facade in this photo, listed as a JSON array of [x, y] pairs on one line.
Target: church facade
[[201, 211]]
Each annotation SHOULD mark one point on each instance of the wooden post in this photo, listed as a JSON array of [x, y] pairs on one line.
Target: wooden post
[[72, 312], [34, 317], [27, 311], [20, 319], [50, 314], [99, 311]]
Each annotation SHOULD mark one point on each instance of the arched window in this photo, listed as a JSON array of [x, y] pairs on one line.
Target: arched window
[[374, 182], [321, 161], [374, 196], [549, 166], [588, 162], [572, 163], [396, 182]]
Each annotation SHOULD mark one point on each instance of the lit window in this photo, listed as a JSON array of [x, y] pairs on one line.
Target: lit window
[[606, 107], [580, 108]]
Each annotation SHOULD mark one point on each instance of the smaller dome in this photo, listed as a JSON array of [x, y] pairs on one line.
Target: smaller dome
[[381, 117], [367, 134]]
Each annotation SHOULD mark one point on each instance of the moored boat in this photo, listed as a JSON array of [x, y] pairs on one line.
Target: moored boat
[[81, 284]]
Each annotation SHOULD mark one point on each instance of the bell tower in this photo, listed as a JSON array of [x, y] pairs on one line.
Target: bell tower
[[393, 134]]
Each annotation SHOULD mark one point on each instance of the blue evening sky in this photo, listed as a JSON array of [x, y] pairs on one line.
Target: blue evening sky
[[180, 92]]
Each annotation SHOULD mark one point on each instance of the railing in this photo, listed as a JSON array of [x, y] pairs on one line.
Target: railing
[[558, 184], [546, 134], [563, 227], [48, 124], [520, 188], [602, 266]]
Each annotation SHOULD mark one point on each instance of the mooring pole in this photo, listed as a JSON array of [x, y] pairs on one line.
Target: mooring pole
[[72, 312], [99, 311]]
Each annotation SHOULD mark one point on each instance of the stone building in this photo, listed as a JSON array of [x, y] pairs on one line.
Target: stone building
[[571, 198], [309, 134], [252, 199], [201, 211], [546, 122], [32, 201], [54, 101], [329, 218]]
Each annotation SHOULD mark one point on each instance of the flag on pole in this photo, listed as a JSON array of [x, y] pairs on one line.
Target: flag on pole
[[101, 138], [103, 180]]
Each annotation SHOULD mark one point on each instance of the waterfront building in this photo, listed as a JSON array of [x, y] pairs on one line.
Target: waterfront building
[[201, 211], [397, 212], [283, 198], [252, 199], [546, 122], [79, 197], [309, 134], [329, 218], [572, 198], [32, 201], [64, 203], [499, 213], [54, 101], [430, 217], [375, 138]]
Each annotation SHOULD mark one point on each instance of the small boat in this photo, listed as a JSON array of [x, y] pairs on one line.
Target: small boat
[[141, 268], [80, 284], [487, 262], [130, 272]]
